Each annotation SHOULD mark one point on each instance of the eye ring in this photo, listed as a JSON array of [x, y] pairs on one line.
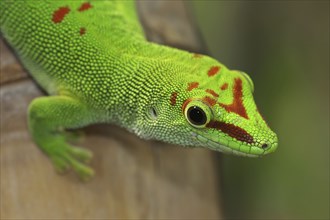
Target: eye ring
[[197, 113]]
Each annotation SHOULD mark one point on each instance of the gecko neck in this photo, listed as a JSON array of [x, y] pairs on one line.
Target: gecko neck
[[150, 67]]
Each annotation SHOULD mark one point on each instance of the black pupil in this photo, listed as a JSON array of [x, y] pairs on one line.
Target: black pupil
[[196, 115]]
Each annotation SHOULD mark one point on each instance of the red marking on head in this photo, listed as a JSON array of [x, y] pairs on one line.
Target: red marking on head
[[197, 55], [224, 86], [237, 105], [174, 95], [59, 14], [82, 31], [212, 92], [185, 103], [232, 130], [85, 6], [192, 85], [209, 100], [213, 70]]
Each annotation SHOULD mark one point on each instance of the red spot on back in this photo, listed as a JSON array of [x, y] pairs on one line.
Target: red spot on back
[[237, 104], [212, 92], [174, 95], [82, 31], [224, 86], [192, 85], [85, 6], [232, 130], [59, 14], [209, 100], [213, 70]]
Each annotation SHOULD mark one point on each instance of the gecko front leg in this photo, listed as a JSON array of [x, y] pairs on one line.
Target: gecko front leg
[[48, 119]]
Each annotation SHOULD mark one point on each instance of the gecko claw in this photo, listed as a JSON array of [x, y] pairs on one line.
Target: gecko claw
[[66, 157]]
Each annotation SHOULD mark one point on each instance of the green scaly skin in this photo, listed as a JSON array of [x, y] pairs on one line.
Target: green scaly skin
[[94, 61]]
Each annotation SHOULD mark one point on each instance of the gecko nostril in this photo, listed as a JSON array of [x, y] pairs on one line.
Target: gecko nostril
[[264, 146]]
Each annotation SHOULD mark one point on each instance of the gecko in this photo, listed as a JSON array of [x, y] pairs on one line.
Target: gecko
[[93, 60]]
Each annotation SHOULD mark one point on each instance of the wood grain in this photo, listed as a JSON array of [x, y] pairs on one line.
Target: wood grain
[[134, 178]]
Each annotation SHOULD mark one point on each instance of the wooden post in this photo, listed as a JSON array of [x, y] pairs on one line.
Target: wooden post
[[134, 178]]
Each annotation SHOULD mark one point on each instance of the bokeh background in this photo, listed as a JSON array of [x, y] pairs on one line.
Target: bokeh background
[[284, 46]]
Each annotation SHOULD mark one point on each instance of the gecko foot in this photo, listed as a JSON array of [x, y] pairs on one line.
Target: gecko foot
[[65, 157]]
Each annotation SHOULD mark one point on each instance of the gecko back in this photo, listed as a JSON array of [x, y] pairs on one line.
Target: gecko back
[[57, 40]]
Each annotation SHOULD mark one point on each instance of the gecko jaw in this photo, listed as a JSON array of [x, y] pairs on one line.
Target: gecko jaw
[[207, 143]]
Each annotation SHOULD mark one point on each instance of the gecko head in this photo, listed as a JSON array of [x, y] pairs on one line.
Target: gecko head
[[207, 106], [221, 114]]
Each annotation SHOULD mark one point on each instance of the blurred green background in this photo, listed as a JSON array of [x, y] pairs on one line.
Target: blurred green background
[[284, 46]]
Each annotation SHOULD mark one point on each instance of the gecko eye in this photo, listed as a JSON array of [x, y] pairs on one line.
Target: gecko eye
[[197, 114]]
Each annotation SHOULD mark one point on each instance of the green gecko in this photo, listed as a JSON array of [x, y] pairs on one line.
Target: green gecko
[[93, 60]]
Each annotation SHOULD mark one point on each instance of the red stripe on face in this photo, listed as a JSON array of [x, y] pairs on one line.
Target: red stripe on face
[[237, 104], [85, 6], [213, 70], [232, 130], [174, 95], [59, 14], [212, 92], [192, 85], [224, 86], [209, 100]]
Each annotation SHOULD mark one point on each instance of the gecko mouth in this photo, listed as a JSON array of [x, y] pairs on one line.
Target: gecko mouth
[[232, 147]]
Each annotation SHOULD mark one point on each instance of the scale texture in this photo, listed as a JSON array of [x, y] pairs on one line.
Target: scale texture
[[95, 63]]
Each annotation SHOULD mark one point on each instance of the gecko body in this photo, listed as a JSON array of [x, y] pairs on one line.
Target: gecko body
[[94, 61]]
